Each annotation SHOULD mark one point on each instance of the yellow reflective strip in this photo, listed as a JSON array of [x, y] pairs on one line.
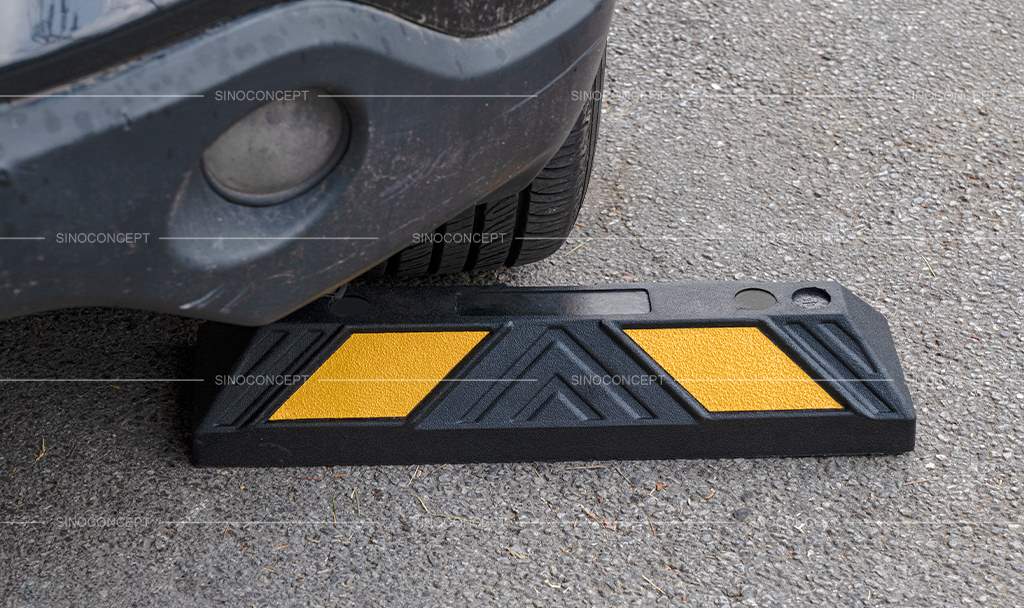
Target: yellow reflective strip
[[733, 369], [379, 375]]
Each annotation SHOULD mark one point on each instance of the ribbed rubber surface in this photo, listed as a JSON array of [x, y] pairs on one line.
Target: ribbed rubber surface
[[518, 229], [490, 373]]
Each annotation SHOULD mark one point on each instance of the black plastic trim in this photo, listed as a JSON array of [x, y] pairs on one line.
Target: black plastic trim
[[41, 69]]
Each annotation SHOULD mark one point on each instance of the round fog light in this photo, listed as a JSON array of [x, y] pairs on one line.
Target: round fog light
[[277, 151]]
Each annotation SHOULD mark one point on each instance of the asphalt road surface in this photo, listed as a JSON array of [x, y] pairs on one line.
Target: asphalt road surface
[[875, 143]]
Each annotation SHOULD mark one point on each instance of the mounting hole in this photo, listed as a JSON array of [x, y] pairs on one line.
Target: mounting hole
[[811, 298], [754, 299]]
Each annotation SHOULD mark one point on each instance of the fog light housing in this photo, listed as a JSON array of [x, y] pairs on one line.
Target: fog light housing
[[278, 151]]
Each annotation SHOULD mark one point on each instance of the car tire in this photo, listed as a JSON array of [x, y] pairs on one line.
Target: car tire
[[518, 229]]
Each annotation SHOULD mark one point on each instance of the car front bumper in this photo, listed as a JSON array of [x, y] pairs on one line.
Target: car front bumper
[[103, 201]]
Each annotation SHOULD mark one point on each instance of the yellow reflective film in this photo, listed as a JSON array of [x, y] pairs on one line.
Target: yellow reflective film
[[733, 369], [379, 375]]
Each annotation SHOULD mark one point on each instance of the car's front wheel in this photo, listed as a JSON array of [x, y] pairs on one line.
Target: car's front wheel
[[536, 221]]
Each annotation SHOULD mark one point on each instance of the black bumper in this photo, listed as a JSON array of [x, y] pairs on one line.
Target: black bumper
[[439, 123]]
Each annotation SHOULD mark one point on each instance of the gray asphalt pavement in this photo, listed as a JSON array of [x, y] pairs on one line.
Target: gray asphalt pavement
[[876, 143]]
